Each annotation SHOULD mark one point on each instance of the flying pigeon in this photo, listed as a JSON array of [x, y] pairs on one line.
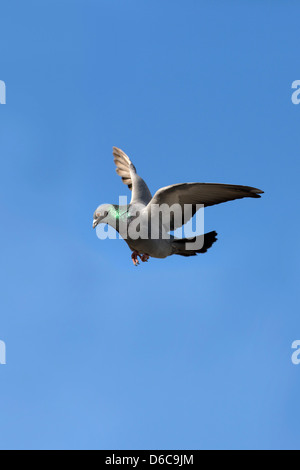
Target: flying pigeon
[[134, 219]]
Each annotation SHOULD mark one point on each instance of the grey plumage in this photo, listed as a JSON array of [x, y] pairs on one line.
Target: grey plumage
[[127, 171], [207, 242], [142, 202], [207, 194], [123, 164]]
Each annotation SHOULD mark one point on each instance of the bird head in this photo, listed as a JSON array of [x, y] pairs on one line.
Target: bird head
[[101, 215]]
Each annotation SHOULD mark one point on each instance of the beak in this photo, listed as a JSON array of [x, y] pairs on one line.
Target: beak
[[95, 223]]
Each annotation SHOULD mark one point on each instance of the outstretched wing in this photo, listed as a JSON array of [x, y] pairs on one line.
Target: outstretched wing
[[123, 164], [207, 194], [127, 171]]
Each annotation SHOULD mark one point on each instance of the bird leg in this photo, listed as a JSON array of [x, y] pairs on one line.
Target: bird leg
[[135, 255], [134, 258]]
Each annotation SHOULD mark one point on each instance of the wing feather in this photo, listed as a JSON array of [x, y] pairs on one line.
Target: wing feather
[[127, 171], [206, 194], [123, 165]]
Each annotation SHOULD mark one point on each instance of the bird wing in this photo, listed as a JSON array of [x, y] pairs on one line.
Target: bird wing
[[127, 171], [206, 194], [123, 164]]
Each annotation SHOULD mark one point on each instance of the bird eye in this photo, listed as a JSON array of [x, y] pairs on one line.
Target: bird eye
[[100, 215]]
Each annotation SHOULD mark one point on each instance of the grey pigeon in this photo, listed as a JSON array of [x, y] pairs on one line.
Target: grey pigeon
[[132, 220]]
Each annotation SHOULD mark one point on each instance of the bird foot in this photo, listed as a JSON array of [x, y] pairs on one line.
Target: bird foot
[[134, 258], [135, 255]]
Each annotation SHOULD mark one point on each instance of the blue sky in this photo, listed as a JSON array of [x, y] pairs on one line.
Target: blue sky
[[180, 353]]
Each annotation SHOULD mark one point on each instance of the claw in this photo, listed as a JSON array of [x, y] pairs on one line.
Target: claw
[[135, 255], [134, 258]]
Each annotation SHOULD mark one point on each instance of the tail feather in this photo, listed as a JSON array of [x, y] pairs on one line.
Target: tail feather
[[181, 249]]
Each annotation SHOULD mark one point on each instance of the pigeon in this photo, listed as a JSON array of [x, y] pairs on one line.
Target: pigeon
[[148, 235]]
